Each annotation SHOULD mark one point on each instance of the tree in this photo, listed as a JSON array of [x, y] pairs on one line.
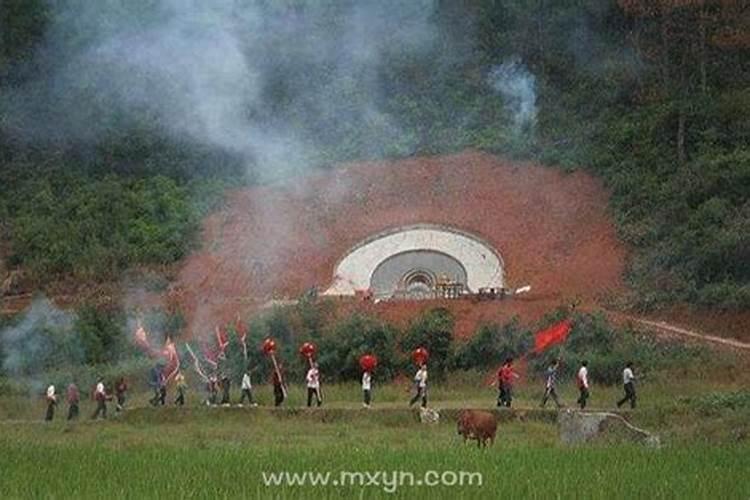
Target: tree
[[673, 34], [434, 331]]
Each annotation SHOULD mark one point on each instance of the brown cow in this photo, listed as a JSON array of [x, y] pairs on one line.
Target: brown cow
[[479, 425]]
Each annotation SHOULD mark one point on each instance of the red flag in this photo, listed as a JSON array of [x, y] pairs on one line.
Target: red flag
[[241, 330], [210, 355], [222, 339], [141, 340], [173, 360], [552, 335]]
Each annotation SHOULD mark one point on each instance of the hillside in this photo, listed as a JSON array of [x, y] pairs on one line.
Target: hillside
[[121, 128], [551, 228]]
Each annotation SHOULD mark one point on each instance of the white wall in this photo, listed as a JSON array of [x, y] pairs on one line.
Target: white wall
[[484, 267]]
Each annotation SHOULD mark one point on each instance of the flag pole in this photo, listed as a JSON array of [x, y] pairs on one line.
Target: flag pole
[[278, 374]]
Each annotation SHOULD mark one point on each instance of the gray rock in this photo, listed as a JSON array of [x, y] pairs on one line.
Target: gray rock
[[428, 416], [580, 427]]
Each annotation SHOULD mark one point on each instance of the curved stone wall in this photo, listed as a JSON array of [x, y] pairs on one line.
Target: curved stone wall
[[394, 274], [483, 266]]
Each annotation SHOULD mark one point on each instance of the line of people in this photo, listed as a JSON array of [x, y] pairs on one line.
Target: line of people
[[506, 377], [99, 395]]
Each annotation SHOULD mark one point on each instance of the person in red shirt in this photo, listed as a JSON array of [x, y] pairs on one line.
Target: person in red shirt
[[505, 379]]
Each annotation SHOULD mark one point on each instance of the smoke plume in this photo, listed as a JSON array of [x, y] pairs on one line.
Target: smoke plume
[[40, 340], [517, 85], [264, 81]]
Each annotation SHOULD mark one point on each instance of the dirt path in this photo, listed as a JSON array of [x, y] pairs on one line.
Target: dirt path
[[664, 327]]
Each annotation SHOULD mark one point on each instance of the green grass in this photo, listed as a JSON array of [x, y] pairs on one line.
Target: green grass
[[212, 453], [202, 452]]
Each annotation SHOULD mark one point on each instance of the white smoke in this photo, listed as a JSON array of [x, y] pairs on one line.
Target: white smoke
[[203, 71], [37, 342], [275, 84], [517, 85]]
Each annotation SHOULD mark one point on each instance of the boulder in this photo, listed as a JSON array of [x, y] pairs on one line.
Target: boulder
[[428, 416], [581, 427]]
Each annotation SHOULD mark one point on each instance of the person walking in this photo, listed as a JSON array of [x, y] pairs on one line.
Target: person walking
[[226, 385], [628, 381], [420, 383], [277, 380], [162, 388], [582, 379], [313, 385], [51, 403], [550, 386], [367, 388], [100, 396], [74, 398], [247, 389], [212, 386], [121, 387], [505, 378], [155, 381], [181, 388]]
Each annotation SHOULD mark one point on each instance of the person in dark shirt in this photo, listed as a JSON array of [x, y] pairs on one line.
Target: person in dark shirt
[[550, 385], [121, 387], [277, 379], [74, 398]]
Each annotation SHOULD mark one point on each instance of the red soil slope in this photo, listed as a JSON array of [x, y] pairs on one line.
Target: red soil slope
[[551, 229]]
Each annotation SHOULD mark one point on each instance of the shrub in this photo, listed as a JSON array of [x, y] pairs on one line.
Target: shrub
[[356, 335], [101, 334], [434, 331], [278, 323], [493, 343], [715, 402], [607, 349]]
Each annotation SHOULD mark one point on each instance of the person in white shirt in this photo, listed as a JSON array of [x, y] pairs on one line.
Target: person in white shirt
[[247, 389], [313, 385], [628, 381], [367, 388], [51, 403], [582, 379], [420, 381], [100, 395]]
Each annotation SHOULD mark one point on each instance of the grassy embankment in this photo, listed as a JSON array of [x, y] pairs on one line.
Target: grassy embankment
[[222, 452]]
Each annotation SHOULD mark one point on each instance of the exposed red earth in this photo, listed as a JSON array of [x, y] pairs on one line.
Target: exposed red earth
[[551, 228]]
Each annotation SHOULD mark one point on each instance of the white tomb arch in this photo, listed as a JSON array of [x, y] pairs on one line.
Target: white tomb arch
[[417, 256]]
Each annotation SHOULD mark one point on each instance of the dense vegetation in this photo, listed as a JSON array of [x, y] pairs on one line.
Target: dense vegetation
[[651, 95], [47, 344]]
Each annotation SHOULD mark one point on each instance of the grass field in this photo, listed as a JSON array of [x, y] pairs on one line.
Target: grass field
[[202, 452]]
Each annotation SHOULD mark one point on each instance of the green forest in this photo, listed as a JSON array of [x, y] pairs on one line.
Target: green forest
[[653, 96]]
